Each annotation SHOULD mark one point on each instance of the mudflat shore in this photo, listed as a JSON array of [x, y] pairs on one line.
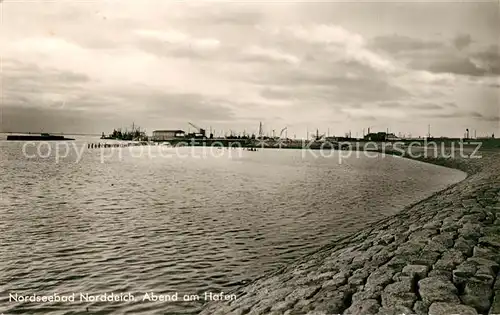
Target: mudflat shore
[[440, 256]]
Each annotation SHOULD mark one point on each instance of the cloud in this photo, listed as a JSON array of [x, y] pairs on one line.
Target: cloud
[[164, 110], [17, 118], [452, 64], [428, 77], [47, 45], [459, 114], [462, 41], [428, 106], [333, 85], [488, 60], [259, 54], [481, 63], [327, 34], [27, 87], [176, 43], [277, 93], [411, 106], [335, 41], [178, 38], [15, 69], [369, 114], [176, 106], [209, 14], [436, 57], [390, 105], [492, 118], [32, 85], [400, 43]]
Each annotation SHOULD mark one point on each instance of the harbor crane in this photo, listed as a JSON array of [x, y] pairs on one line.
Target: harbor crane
[[317, 136], [261, 132], [201, 132], [283, 130]]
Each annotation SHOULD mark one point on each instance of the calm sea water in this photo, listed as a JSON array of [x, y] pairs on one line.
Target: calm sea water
[[186, 224]]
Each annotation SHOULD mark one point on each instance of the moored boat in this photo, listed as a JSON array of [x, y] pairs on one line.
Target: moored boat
[[41, 137]]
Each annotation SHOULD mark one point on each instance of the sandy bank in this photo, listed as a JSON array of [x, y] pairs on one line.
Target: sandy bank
[[438, 256]]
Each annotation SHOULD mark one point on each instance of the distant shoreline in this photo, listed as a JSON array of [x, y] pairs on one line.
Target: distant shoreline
[[52, 133]]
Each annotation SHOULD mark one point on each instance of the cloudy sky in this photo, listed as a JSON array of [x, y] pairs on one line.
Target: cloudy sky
[[90, 66]]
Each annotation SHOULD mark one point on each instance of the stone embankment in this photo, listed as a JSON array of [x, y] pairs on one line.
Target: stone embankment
[[439, 256]]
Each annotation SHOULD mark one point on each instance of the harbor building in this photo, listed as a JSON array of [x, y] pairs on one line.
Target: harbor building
[[381, 136], [163, 135]]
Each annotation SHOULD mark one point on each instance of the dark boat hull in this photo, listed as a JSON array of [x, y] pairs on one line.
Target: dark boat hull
[[37, 138]]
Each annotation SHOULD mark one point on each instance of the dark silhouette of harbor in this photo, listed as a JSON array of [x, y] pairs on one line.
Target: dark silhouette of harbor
[[40, 137]]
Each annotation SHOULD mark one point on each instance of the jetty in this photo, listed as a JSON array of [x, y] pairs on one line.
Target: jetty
[[116, 145], [440, 256]]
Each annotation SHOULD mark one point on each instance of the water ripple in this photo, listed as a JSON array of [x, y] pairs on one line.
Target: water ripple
[[187, 226]]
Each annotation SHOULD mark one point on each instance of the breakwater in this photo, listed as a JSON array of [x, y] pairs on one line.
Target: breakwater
[[115, 145], [438, 256]]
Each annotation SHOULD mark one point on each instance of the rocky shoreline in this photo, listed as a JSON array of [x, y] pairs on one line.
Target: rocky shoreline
[[440, 256]]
